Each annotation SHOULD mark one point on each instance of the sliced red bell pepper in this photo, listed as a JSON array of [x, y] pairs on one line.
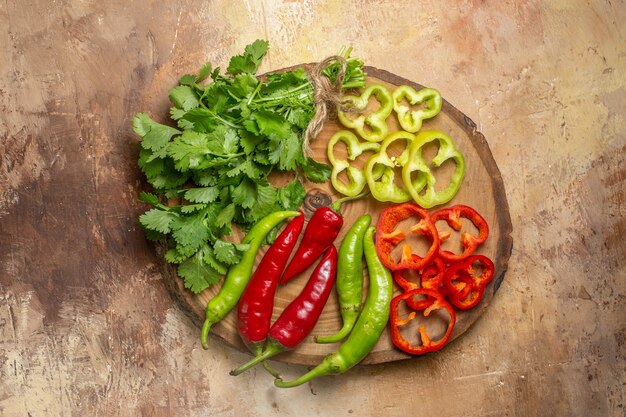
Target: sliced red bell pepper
[[388, 236], [428, 277], [452, 215], [433, 301], [461, 276]]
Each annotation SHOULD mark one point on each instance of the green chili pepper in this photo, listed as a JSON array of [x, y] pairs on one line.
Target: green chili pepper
[[425, 193], [368, 328], [372, 128], [238, 275], [355, 176], [384, 188], [349, 282], [411, 121]]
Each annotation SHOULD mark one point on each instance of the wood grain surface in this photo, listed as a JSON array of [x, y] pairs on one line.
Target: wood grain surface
[[87, 323], [482, 189]]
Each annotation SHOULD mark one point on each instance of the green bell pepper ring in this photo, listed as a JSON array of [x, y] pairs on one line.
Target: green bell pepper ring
[[356, 179], [411, 121], [373, 127], [384, 188], [425, 194]]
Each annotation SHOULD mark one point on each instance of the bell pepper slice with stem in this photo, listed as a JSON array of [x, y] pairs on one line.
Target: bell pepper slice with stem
[[463, 275], [411, 120], [383, 187], [356, 179], [425, 193], [372, 127], [388, 236], [452, 215], [427, 301]]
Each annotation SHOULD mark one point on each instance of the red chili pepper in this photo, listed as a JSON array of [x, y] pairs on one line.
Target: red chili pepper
[[320, 233], [465, 289], [300, 316], [452, 216], [433, 301], [388, 237], [257, 302]]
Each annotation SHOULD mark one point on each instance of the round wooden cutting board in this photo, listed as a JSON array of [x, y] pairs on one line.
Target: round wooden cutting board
[[482, 189]]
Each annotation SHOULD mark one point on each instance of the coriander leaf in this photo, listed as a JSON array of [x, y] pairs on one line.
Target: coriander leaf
[[245, 193], [189, 231], [202, 194], [249, 141], [264, 203], [248, 167], [316, 171], [210, 258], [257, 50], [155, 135], [230, 141], [225, 217], [250, 60], [150, 166], [204, 120], [176, 113], [191, 208], [206, 177], [272, 124], [299, 117], [216, 98], [290, 197], [184, 97], [242, 86], [204, 72], [149, 198], [187, 79], [286, 153], [228, 252], [197, 274], [174, 256], [240, 64], [157, 220]]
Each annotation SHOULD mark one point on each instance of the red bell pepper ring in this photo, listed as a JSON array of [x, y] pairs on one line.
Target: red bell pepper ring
[[388, 236], [461, 276], [452, 215], [428, 277], [433, 301]]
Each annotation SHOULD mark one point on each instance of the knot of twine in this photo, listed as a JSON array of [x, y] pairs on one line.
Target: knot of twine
[[326, 97]]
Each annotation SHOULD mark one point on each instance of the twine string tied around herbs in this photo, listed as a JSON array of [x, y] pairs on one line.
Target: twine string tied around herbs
[[326, 97]]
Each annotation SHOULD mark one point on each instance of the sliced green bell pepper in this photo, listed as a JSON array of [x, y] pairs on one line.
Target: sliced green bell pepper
[[425, 193], [384, 188], [356, 179], [411, 121], [373, 127]]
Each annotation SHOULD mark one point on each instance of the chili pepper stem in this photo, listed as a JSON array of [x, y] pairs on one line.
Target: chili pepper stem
[[257, 348], [204, 335], [320, 370], [273, 348], [338, 203]]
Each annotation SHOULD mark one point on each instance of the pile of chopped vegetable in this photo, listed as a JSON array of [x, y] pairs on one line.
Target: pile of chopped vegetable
[[211, 172]]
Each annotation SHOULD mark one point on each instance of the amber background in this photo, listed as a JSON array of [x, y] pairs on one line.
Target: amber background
[[87, 326]]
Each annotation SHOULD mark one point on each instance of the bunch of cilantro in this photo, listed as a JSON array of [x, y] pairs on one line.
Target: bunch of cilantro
[[231, 133]]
